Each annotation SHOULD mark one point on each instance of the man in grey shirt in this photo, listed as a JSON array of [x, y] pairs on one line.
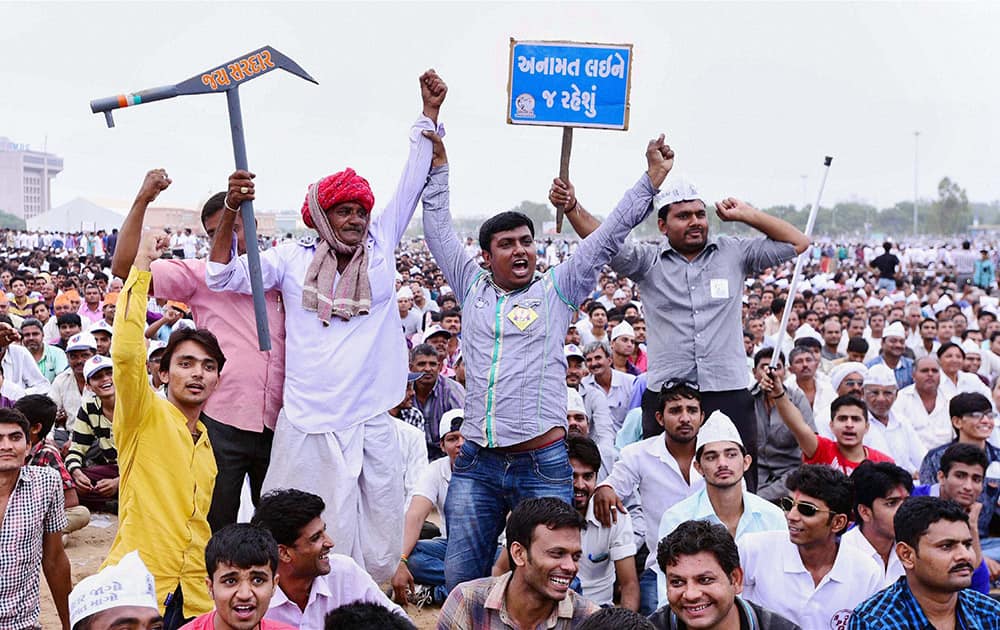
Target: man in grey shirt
[[692, 289]]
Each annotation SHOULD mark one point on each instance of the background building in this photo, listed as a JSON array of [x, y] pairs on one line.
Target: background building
[[25, 176]]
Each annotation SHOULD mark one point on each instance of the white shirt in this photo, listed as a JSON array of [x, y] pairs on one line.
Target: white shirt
[[346, 583], [934, 428], [331, 368], [893, 571], [901, 439], [619, 396], [433, 486], [602, 547], [967, 382], [649, 466], [824, 393], [413, 448], [21, 375], [775, 578]]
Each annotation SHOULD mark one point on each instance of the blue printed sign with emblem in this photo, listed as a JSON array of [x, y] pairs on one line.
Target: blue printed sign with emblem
[[569, 84]]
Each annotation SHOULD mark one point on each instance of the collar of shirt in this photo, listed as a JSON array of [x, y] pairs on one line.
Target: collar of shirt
[[318, 589], [839, 572], [496, 600], [658, 448]]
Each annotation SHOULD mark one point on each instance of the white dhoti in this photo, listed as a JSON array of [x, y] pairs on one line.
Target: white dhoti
[[359, 474]]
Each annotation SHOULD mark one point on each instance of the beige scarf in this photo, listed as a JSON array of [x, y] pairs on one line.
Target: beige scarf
[[353, 294]]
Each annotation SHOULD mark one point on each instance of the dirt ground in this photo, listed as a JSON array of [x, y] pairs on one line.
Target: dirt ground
[[88, 547]]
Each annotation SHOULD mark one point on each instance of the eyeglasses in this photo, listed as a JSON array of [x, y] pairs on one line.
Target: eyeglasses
[[674, 383], [805, 509], [979, 415], [853, 382]]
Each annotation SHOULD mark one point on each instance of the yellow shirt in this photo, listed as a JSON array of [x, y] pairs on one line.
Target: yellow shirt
[[166, 477]]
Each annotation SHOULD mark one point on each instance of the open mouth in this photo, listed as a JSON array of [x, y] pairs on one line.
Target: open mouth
[[520, 266], [696, 610], [245, 611], [561, 582]]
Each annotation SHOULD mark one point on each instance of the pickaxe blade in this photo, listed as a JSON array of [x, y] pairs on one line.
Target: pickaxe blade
[[221, 78]]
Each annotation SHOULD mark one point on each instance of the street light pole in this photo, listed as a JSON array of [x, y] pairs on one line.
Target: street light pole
[[916, 148]]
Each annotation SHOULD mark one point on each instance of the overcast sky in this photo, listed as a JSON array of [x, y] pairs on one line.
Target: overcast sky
[[751, 96]]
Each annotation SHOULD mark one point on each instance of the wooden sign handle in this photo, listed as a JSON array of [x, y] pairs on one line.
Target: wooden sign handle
[[567, 147]]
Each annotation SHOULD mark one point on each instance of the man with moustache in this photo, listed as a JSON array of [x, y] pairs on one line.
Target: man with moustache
[[924, 405], [594, 399]]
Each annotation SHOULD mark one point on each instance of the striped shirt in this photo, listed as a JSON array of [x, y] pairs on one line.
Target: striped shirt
[[895, 608], [93, 444]]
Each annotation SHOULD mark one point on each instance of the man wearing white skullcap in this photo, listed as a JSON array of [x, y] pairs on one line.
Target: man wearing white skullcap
[[410, 316], [893, 345], [120, 595], [622, 348], [894, 436], [692, 293], [722, 461]]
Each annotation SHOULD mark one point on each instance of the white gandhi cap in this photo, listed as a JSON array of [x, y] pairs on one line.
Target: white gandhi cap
[[718, 428], [574, 402], [676, 188], [127, 583]]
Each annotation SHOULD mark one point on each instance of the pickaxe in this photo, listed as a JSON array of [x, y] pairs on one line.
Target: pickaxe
[[224, 78]]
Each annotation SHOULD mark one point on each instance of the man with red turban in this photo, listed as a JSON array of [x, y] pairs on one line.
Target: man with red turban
[[334, 436]]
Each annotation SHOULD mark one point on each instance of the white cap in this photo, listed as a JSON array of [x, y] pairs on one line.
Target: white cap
[[895, 329], [880, 375], [102, 326], [841, 372], [94, 365], [404, 294], [971, 347], [806, 331], [127, 583], [718, 428], [448, 419], [81, 341], [621, 329], [573, 350], [873, 302], [781, 283], [619, 294], [154, 346], [574, 402], [676, 188], [445, 290], [436, 330]]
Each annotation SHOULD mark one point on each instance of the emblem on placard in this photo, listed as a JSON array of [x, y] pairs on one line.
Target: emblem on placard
[[522, 317], [524, 106]]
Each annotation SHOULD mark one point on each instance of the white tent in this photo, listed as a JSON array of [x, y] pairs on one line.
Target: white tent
[[78, 215]]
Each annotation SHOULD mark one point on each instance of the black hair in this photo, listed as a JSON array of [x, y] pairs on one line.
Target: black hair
[[825, 483], [585, 450], [875, 480], [858, 345], [201, 336], [501, 223], [777, 305], [18, 278], [364, 616], [550, 512], [693, 537], [69, 318], [597, 306], [616, 619], [968, 402], [848, 401], [676, 392], [916, 515], [451, 312], [665, 210], [215, 203], [14, 416], [241, 545], [31, 321], [423, 350], [38, 409], [285, 512], [766, 353], [959, 453], [808, 342], [948, 345]]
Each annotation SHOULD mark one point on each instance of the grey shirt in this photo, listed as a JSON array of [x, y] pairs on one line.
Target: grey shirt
[[694, 308], [778, 454]]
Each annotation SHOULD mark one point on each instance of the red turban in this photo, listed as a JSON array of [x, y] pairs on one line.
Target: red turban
[[338, 188]]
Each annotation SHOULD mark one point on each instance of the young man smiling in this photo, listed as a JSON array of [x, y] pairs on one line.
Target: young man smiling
[[515, 320], [163, 439]]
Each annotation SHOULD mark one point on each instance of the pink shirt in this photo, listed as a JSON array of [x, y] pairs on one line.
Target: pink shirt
[[90, 316], [207, 622], [249, 395]]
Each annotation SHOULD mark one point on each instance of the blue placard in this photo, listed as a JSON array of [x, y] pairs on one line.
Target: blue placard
[[569, 84]]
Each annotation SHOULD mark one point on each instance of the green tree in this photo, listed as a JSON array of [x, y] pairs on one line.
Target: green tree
[[539, 213], [950, 213], [11, 221]]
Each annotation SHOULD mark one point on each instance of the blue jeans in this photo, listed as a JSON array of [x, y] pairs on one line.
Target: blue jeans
[[887, 283], [647, 593], [485, 486], [426, 565]]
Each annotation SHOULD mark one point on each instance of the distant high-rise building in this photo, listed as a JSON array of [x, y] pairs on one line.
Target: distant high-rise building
[[25, 176]]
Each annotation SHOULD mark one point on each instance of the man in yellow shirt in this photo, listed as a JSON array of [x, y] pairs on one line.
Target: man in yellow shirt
[[166, 461]]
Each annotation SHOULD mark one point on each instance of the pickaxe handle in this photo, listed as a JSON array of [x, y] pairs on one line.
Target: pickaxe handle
[[249, 224], [110, 103]]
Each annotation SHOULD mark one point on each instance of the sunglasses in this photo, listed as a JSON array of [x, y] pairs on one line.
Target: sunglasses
[[805, 509]]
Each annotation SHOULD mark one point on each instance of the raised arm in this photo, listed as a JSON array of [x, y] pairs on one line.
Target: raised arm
[[776, 229], [775, 391], [155, 182]]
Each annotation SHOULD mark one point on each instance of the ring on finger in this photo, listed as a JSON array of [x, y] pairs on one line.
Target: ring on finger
[[244, 190]]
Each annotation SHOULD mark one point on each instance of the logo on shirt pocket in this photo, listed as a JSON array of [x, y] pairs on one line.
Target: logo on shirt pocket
[[522, 317]]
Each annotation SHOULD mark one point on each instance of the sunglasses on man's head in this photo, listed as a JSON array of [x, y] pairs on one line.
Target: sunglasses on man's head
[[805, 509]]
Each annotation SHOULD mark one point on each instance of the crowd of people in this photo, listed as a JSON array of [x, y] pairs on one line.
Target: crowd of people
[[603, 433]]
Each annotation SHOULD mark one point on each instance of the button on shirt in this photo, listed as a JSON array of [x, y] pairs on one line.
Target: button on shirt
[[934, 428], [775, 578], [892, 571], [650, 467], [53, 362], [619, 396], [346, 583], [758, 516], [36, 507], [896, 608], [360, 349], [602, 547], [249, 398], [694, 308]]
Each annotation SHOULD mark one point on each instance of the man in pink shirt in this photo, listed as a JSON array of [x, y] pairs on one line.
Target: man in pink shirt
[[245, 406]]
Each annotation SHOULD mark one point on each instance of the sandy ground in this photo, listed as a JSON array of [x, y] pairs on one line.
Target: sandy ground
[[88, 547]]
